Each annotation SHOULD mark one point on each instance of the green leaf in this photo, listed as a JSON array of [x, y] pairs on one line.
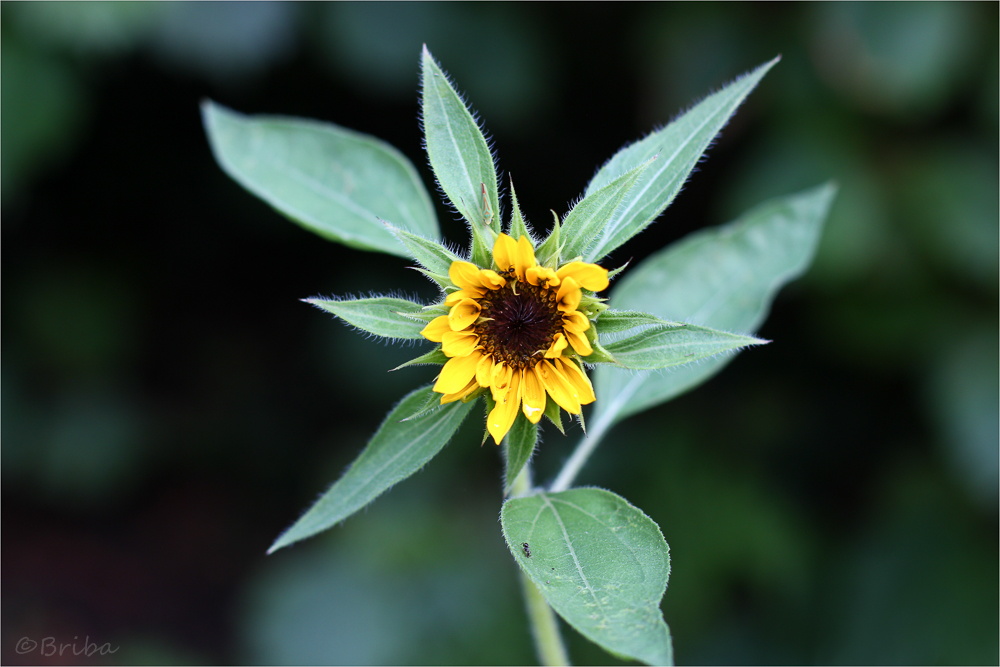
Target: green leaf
[[518, 446], [725, 278], [679, 146], [595, 210], [435, 357], [426, 314], [443, 281], [399, 449], [517, 226], [665, 346], [332, 181], [459, 155], [431, 255], [600, 563], [614, 272], [613, 321], [382, 316]]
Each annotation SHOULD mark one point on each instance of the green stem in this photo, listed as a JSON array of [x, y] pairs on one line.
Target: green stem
[[544, 625], [590, 441], [582, 452]]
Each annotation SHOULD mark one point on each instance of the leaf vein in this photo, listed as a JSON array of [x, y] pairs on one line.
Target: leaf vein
[[572, 552]]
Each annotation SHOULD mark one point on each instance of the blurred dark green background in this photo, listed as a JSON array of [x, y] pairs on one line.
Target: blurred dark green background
[[169, 406]]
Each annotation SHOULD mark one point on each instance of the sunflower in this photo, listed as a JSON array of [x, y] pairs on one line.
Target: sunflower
[[514, 330]]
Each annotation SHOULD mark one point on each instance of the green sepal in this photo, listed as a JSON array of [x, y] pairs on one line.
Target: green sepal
[[432, 403], [432, 255], [518, 447], [599, 355], [474, 394], [383, 316], [612, 321], [518, 228], [489, 404], [591, 334], [435, 357], [591, 306], [436, 309], [442, 281], [547, 254], [479, 252], [483, 245], [554, 414], [614, 272], [424, 315]]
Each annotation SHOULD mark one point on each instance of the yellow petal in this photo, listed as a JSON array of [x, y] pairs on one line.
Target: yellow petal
[[576, 321], [559, 344], [491, 280], [458, 295], [483, 370], [456, 373], [463, 314], [436, 329], [569, 295], [504, 251], [500, 379], [541, 275], [579, 380], [458, 395], [532, 395], [465, 275], [501, 418], [525, 257], [459, 343], [558, 386], [588, 276], [579, 343]]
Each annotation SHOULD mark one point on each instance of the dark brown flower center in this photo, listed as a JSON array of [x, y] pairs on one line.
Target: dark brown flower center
[[518, 322]]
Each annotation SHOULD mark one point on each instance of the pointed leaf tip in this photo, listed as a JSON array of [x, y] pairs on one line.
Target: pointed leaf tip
[[460, 157], [397, 451], [725, 278], [684, 141]]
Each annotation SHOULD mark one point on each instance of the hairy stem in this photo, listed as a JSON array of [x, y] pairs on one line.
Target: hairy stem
[[544, 625]]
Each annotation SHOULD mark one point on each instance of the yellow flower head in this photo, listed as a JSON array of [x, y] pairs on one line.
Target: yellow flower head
[[512, 330]]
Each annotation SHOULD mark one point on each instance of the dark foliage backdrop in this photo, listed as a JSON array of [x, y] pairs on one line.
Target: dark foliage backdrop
[[169, 406]]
